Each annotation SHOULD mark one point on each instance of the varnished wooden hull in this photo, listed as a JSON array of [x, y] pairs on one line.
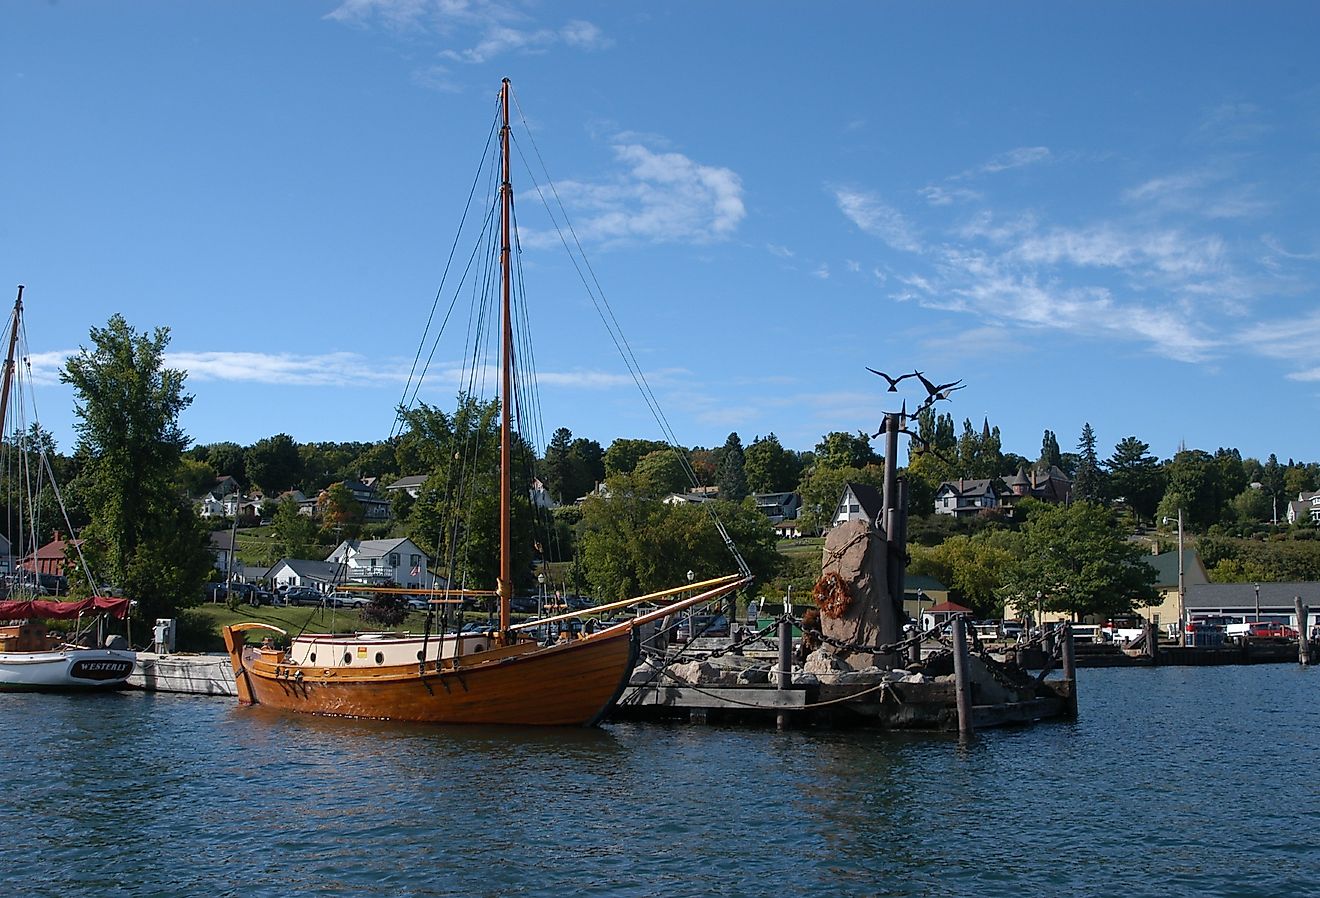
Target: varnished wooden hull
[[572, 684]]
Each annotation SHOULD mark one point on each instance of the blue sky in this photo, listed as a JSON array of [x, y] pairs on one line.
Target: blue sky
[[1087, 212]]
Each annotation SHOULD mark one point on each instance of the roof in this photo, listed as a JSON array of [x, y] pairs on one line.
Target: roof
[[1242, 596], [969, 487], [913, 582], [411, 480], [370, 548], [949, 608], [868, 497], [1166, 568], [308, 569]]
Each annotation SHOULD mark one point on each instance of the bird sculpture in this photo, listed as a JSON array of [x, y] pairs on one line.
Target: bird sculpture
[[940, 391], [894, 381]]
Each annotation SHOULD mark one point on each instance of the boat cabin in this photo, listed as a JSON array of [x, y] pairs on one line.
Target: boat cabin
[[28, 637]]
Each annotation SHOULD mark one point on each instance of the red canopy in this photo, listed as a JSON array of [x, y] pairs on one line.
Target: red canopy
[[63, 610]]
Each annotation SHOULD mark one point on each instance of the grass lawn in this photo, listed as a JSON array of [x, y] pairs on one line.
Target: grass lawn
[[807, 546]]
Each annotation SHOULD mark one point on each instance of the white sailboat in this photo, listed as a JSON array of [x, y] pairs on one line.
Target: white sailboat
[[32, 656]]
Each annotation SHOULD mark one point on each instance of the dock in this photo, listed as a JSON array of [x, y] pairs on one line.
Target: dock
[[193, 674]]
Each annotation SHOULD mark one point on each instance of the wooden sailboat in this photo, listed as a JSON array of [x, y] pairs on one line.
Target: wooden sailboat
[[502, 677], [31, 657]]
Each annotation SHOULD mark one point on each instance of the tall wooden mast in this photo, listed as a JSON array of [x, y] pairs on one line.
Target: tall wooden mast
[[9, 360], [505, 584]]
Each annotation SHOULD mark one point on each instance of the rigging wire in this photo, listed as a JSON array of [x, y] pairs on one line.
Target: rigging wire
[[606, 313]]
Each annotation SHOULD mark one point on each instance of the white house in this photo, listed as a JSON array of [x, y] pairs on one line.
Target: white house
[[319, 575], [412, 485], [966, 497], [778, 506], [382, 561], [860, 501], [1306, 508]]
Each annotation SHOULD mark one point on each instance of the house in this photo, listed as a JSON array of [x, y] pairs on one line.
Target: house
[[1051, 486], [1243, 599], [412, 485], [944, 611], [1305, 510], [778, 506], [211, 506], [788, 529], [319, 575], [921, 593], [228, 505], [686, 499], [1165, 611], [224, 485], [860, 501], [964, 498], [50, 559], [6, 555], [540, 496], [383, 561], [223, 548]]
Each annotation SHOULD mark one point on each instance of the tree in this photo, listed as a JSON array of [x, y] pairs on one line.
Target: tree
[[1136, 477], [1251, 506], [294, 532], [195, 477], [845, 450], [631, 545], [1081, 562], [227, 458], [587, 468], [972, 566], [339, 508], [731, 475], [1089, 484], [274, 463], [143, 534], [769, 468], [1049, 452], [1195, 485], [660, 473], [456, 515], [556, 466], [624, 454]]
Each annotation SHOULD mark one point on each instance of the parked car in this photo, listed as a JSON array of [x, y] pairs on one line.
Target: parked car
[[347, 600], [417, 604], [302, 595], [1269, 630]]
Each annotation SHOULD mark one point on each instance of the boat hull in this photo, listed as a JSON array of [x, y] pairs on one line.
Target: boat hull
[[571, 684], [65, 670]]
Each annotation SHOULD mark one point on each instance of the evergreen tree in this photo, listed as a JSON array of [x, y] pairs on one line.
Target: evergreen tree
[[1136, 476], [275, 464], [731, 475], [1049, 452], [1089, 484], [555, 467], [586, 468]]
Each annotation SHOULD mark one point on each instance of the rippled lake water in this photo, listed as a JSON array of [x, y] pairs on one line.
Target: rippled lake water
[[1173, 781]]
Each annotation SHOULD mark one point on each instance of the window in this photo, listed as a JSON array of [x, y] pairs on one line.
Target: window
[[394, 559], [853, 509], [415, 560]]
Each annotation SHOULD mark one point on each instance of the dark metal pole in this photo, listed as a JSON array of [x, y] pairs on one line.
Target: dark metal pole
[[785, 664], [1303, 648], [962, 678], [1069, 667]]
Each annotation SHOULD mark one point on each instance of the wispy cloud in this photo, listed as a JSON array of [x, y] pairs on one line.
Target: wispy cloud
[[876, 217], [490, 29], [1210, 193], [662, 197]]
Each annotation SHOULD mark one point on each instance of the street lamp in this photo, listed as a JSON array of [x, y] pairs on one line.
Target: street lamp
[[1257, 588], [540, 600], [1182, 624], [1040, 612]]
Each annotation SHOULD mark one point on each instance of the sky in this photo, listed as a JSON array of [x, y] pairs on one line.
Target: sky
[[1096, 213]]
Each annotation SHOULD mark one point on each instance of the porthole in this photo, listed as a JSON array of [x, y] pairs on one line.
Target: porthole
[[312, 657], [380, 657], [479, 647], [419, 655], [348, 658]]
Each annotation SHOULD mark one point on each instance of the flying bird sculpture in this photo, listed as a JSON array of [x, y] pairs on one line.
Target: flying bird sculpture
[[940, 391], [894, 381]]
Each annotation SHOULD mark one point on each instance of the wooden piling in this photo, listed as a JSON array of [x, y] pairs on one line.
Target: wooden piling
[[962, 678], [785, 678], [914, 649], [1069, 666], [1303, 649], [1152, 642]]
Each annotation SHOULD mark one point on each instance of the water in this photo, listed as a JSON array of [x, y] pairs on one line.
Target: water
[[1175, 781]]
